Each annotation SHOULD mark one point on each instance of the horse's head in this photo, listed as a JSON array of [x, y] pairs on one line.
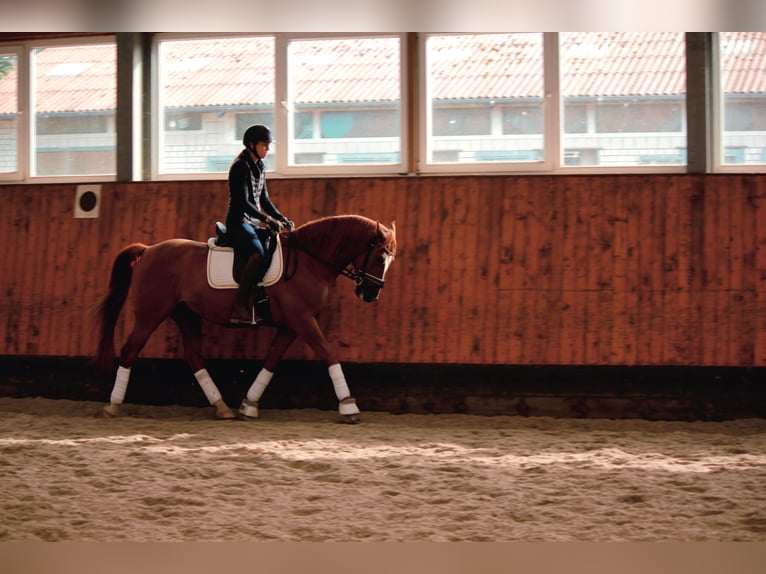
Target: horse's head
[[371, 265]]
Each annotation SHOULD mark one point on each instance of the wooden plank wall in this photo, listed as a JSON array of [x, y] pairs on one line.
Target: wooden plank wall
[[548, 270]]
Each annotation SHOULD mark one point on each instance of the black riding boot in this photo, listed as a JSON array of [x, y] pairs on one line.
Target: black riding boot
[[243, 310]]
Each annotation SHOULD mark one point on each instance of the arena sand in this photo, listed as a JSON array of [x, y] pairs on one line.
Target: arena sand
[[174, 474]]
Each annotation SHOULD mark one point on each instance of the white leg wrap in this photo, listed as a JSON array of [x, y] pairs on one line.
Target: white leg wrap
[[208, 386], [120, 385], [339, 382], [348, 407], [249, 409], [259, 385]]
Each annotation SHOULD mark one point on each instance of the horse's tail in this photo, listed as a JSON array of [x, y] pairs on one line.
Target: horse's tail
[[109, 309]]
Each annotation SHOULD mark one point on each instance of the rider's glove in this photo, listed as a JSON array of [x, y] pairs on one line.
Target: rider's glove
[[274, 225]]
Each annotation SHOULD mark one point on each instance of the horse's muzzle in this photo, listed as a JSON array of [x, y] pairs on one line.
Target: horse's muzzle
[[367, 292]]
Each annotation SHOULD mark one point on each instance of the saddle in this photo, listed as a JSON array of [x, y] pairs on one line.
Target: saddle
[[225, 264]]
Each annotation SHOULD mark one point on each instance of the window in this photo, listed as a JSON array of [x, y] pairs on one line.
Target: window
[[183, 121], [637, 116], [489, 102], [344, 101], [577, 119], [484, 98], [461, 121], [743, 83], [624, 98], [9, 110], [303, 125], [71, 124], [244, 121], [522, 119], [360, 124], [210, 90], [74, 99]]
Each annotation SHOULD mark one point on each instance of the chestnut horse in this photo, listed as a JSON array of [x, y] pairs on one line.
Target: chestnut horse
[[169, 279]]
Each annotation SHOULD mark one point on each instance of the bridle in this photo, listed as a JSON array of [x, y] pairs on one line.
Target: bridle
[[358, 276]]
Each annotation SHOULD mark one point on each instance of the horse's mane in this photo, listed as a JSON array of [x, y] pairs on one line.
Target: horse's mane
[[330, 235]]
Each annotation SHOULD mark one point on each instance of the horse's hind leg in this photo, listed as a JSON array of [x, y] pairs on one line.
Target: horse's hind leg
[[190, 325], [136, 340]]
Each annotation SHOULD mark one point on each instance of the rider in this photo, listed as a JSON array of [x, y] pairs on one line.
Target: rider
[[250, 207]]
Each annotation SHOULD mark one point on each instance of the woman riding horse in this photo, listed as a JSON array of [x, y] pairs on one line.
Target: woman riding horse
[[169, 279], [249, 206]]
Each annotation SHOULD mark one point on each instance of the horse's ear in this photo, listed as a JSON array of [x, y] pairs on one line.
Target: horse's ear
[[386, 234], [392, 236]]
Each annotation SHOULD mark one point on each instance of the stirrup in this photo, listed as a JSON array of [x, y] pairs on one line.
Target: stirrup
[[252, 320]]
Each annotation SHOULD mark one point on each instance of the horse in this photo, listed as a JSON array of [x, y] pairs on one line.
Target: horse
[[169, 280]]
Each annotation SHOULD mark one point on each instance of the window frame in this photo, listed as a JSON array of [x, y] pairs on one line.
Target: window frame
[[281, 150], [560, 162], [27, 109], [156, 104], [717, 149], [550, 118], [21, 172], [414, 109], [283, 167], [554, 157]]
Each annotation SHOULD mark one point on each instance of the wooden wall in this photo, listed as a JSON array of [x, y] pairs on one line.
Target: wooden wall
[[552, 270]]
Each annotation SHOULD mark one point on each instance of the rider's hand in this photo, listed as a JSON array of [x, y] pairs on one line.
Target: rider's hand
[[288, 223], [274, 225]]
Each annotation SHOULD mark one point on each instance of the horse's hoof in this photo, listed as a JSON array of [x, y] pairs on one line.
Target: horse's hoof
[[109, 412], [225, 415], [242, 417], [222, 410], [248, 410], [350, 419], [348, 408]]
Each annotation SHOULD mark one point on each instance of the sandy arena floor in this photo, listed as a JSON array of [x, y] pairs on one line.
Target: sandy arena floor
[[175, 474]]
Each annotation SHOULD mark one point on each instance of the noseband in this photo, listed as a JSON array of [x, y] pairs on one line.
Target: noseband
[[360, 275]]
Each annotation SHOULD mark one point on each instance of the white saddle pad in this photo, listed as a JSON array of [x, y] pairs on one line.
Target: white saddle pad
[[220, 261]]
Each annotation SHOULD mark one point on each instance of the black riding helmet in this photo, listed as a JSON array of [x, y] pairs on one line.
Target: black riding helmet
[[257, 133]]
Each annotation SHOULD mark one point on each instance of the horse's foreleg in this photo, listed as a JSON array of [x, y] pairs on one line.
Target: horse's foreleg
[[190, 325], [313, 335], [346, 403], [279, 345], [213, 395]]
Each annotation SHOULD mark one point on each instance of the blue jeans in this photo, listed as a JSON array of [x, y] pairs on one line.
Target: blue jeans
[[245, 239]]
